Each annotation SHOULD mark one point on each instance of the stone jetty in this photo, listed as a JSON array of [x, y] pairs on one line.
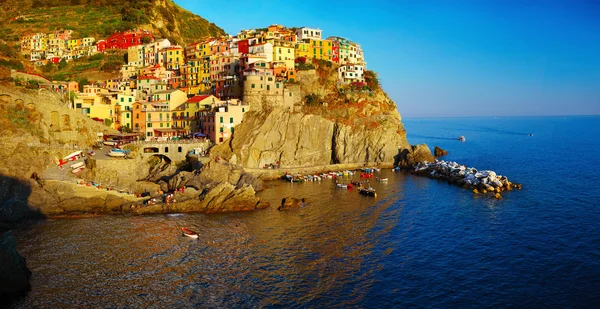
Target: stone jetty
[[480, 182]]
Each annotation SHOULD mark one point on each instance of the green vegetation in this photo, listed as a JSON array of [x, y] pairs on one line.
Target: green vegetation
[[312, 99], [13, 64], [372, 80], [305, 66]]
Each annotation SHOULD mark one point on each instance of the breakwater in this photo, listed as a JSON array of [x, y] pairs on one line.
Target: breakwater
[[483, 182]]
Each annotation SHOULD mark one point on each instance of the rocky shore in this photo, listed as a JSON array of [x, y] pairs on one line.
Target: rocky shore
[[483, 182], [14, 275]]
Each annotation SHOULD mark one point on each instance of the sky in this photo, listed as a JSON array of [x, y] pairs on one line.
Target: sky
[[454, 58]]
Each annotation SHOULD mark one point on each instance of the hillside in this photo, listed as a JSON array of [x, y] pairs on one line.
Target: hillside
[[330, 123], [98, 19]]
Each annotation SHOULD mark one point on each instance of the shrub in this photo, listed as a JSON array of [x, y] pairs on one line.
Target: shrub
[[312, 99]]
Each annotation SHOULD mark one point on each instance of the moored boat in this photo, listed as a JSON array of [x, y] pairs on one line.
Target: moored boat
[[78, 170], [77, 165], [189, 233], [382, 179], [367, 191]]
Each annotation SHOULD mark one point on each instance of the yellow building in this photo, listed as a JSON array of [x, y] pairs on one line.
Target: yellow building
[[320, 49], [284, 52], [302, 50], [174, 57], [196, 75], [186, 116]]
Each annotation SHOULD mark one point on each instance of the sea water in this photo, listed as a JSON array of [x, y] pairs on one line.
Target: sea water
[[420, 243]]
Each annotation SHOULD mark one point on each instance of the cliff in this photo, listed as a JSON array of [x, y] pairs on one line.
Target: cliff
[[331, 123], [14, 275]]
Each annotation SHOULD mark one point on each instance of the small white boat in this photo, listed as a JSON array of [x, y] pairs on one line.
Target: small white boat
[[342, 185], [109, 143], [72, 156], [77, 165], [189, 233], [382, 179], [78, 170], [117, 154], [461, 138]]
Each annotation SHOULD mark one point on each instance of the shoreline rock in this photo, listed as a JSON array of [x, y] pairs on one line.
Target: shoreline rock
[[467, 177], [439, 152]]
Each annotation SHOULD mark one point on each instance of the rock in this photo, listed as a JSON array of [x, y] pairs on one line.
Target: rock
[[413, 155], [299, 139], [475, 191], [439, 152], [292, 203], [498, 196], [14, 275]]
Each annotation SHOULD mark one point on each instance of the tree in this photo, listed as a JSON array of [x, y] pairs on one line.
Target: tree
[[108, 122], [62, 64], [146, 40], [83, 82]]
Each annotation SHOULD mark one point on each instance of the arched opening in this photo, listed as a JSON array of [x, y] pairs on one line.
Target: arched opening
[[65, 122], [30, 106], [54, 120], [179, 149], [151, 150], [19, 104], [166, 149]]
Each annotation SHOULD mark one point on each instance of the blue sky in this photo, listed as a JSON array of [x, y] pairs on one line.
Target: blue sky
[[454, 58]]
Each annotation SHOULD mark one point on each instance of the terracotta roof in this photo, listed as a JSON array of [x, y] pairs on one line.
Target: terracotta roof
[[147, 77], [196, 99]]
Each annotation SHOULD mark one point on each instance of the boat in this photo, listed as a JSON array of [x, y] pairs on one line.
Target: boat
[[396, 169], [117, 154], [77, 165], [375, 169], [78, 170], [367, 191], [366, 175], [461, 138], [110, 142], [342, 185], [73, 156], [382, 179], [188, 232]]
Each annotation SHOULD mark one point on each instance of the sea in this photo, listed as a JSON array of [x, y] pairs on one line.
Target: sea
[[420, 243]]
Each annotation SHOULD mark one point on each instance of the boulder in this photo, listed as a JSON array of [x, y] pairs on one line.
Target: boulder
[[292, 203], [439, 152], [414, 154]]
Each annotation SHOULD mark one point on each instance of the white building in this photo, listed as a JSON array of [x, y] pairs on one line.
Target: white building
[[306, 33], [264, 50], [350, 73]]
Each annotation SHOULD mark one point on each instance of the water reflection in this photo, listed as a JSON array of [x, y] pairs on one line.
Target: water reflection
[[309, 255]]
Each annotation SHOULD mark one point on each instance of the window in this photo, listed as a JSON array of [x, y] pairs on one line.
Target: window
[[221, 129], [137, 116], [253, 86], [243, 109], [149, 125], [127, 115], [231, 120], [166, 149], [277, 86], [221, 119], [122, 99], [268, 87], [179, 149]]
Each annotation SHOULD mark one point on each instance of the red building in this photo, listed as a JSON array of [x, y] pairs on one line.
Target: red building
[[335, 47], [243, 46], [55, 60], [123, 40], [101, 46]]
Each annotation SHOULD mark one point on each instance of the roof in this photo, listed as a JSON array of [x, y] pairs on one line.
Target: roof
[[166, 91], [148, 77], [165, 130], [196, 99]]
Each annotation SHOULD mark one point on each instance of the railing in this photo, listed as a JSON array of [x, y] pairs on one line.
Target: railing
[[155, 110]]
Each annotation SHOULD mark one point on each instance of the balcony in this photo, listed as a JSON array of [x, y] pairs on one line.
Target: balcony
[[155, 110]]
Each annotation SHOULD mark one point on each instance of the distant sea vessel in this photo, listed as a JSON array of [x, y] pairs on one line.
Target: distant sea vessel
[[461, 138]]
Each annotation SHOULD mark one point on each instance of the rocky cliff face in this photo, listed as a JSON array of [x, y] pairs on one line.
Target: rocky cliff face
[[298, 139], [14, 275]]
